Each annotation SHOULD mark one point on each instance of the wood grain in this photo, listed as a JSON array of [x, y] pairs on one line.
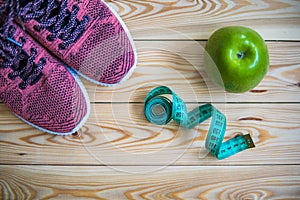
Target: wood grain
[[181, 19], [119, 134], [119, 155], [179, 64], [205, 182]]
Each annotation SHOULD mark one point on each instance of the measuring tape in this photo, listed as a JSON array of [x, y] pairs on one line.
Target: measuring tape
[[160, 110]]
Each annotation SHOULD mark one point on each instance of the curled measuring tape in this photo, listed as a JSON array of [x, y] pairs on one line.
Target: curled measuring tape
[[160, 110]]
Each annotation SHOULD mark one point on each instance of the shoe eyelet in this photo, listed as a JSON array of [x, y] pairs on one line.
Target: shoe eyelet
[[75, 7], [22, 86], [61, 47], [33, 51], [50, 38], [43, 61], [10, 76], [37, 28]]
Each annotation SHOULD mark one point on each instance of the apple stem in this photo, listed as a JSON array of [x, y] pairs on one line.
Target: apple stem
[[240, 55]]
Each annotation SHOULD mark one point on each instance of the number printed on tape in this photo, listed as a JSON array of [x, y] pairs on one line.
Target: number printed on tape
[[177, 111]]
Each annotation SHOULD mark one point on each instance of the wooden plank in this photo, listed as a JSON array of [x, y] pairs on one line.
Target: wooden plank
[[207, 182], [119, 134], [119, 155], [179, 65], [173, 19]]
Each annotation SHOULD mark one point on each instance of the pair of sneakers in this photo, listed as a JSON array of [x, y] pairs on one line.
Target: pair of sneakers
[[44, 44]]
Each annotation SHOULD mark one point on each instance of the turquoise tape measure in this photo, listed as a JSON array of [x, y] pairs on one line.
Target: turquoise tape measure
[[160, 110]]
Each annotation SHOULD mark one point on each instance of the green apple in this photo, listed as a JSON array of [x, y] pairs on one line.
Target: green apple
[[236, 58]]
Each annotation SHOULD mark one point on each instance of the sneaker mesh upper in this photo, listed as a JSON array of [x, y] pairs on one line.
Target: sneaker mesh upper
[[103, 52], [56, 103]]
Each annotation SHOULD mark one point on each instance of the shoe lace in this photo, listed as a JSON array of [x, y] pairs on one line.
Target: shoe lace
[[54, 16], [12, 55]]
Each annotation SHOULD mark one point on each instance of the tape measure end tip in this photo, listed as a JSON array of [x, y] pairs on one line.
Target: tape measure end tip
[[249, 140]]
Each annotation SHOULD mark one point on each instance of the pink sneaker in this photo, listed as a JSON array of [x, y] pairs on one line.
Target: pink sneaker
[[36, 87], [87, 35]]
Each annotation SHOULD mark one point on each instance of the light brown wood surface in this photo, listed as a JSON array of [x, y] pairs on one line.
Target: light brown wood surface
[[196, 19], [119, 155], [119, 134], [182, 182]]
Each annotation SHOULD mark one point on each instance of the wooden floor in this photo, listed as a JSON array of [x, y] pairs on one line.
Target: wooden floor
[[119, 155]]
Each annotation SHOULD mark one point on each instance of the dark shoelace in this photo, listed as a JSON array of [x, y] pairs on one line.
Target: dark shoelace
[[54, 16], [12, 55]]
